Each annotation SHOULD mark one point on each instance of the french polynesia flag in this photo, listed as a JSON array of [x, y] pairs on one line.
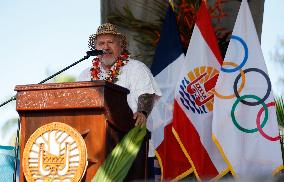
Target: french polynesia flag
[[193, 103], [168, 61]]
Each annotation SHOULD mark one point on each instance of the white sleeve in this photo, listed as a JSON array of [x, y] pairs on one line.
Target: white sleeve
[[142, 81]]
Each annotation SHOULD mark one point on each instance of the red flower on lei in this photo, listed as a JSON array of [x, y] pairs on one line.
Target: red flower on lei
[[112, 73]]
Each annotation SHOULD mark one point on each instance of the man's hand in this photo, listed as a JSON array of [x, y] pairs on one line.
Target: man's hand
[[140, 119]]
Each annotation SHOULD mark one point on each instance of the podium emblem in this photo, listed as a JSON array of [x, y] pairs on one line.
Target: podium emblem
[[55, 152]]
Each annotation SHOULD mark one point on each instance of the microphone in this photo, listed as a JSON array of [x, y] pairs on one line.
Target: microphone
[[95, 52]]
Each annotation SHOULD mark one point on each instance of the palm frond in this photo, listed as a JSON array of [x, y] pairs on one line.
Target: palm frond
[[279, 102], [119, 161]]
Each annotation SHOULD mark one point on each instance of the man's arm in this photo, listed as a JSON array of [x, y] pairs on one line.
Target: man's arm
[[145, 106], [145, 103]]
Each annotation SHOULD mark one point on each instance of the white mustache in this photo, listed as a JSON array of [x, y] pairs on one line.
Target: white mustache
[[107, 51]]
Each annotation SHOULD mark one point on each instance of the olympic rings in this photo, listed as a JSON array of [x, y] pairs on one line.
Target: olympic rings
[[242, 99], [241, 86], [267, 92], [239, 99], [260, 128], [244, 59]]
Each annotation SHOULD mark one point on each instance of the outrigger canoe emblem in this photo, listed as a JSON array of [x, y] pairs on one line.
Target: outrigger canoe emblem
[[196, 90]]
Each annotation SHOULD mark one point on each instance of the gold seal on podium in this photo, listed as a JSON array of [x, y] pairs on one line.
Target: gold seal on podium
[[55, 152]]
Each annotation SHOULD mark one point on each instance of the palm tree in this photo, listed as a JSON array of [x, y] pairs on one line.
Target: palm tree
[[6, 129], [64, 78]]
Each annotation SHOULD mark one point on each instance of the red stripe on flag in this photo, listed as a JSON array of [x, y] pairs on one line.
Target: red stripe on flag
[[174, 164], [207, 31], [190, 141]]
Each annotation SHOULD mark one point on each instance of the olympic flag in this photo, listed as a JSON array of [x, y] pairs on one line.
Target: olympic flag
[[244, 120], [193, 105], [168, 61]]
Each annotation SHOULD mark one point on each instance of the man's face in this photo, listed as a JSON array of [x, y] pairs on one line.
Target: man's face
[[112, 45]]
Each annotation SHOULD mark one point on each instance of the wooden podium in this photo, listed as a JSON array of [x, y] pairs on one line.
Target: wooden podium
[[97, 110]]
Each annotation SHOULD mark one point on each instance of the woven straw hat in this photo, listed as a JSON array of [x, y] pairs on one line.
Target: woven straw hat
[[106, 28]]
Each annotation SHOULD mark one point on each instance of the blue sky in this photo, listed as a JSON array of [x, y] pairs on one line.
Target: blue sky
[[37, 36], [272, 30]]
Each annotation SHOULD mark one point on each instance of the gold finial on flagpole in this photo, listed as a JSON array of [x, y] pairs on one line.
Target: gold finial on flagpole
[[172, 4]]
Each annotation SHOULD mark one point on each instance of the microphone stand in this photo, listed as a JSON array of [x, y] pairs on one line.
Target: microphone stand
[[50, 77], [89, 53]]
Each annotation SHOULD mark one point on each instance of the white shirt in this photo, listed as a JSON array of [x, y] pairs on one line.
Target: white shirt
[[136, 77]]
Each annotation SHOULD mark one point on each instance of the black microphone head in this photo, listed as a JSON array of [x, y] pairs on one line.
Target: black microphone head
[[95, 52]]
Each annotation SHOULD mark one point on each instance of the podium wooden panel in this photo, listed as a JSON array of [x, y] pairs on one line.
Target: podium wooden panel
[[98, 110]]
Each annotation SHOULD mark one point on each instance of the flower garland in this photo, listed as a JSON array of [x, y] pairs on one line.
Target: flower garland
[[112, 74]]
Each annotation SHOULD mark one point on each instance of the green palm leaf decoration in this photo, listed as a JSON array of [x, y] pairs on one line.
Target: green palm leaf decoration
[[280, 110], [119, 161], [279, 103]]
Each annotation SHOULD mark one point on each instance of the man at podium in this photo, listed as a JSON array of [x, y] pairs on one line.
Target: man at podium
[[116, 66]]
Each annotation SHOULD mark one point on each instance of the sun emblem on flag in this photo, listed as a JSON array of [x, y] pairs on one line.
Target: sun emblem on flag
[[197, 89]]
